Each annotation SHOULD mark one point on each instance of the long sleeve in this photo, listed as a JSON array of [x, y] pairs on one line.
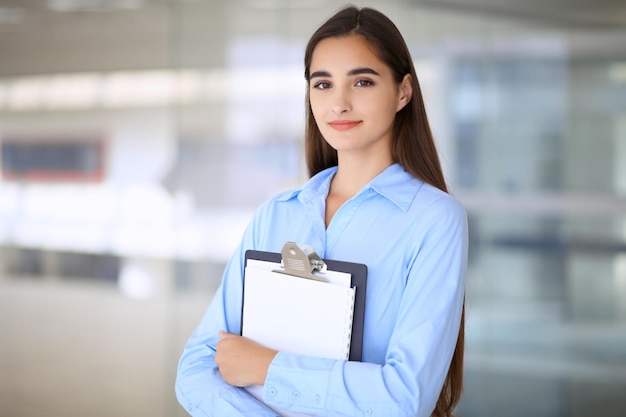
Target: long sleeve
[[422, 342], [200, 388]]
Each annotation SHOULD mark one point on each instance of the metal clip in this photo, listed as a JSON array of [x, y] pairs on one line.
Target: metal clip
[[299, 263]]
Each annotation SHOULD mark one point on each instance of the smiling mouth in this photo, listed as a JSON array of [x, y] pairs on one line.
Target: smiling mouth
[[344, 124]]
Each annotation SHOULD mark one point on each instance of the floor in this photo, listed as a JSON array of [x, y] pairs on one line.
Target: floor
[[76, 349]]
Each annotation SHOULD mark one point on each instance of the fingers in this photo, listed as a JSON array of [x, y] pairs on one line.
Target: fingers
[[225, 335]]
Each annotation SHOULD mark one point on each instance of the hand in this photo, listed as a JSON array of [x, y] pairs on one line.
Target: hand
[[241, 361]]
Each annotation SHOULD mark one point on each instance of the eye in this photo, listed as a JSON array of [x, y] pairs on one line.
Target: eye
[[364, 83], [321, 85]]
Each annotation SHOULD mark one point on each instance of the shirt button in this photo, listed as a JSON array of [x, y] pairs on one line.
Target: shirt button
[[296, 394], [317, 399], [272, 392], [368, 411]]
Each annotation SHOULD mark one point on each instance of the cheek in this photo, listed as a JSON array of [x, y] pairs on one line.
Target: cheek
[[316, 109], [314, 101], [390, 108], [378, 109]]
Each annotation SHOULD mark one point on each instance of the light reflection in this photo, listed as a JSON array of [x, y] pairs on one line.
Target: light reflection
[[77, 91], [620, 285], [150, 88], [136, 282], [144, 89], [27, 94], [617, 72]]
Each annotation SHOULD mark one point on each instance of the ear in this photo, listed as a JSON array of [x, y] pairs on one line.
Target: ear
[[406, 92]]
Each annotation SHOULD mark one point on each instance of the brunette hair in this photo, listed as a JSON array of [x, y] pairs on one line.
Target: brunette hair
[[413, 146]]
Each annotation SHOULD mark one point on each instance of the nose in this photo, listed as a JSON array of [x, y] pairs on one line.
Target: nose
[[341, 102]]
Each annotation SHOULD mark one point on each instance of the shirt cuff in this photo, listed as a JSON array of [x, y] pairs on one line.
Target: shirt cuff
[[297, 382], [237, 402]]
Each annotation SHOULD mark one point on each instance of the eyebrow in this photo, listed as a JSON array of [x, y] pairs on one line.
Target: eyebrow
[[356, 71]]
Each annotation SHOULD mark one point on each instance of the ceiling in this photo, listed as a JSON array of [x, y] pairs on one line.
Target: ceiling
[[56, 36], [573, 14]]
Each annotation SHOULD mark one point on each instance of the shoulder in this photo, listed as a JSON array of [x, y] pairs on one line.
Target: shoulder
[[413, 196], [434, 211], [431, 198]]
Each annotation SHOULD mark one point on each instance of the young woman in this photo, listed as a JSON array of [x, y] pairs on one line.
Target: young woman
[[376, 196]]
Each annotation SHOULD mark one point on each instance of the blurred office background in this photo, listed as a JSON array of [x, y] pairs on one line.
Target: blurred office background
[[138, 136]]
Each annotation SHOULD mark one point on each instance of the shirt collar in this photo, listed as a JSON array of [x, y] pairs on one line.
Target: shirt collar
[[394, 184], [317, 185], [397, 186]]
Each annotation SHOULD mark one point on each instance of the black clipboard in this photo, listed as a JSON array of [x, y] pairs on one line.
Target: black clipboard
[[358, 274]]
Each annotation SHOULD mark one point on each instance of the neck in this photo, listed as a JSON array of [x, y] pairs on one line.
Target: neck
[[354, 170], [353, 173]]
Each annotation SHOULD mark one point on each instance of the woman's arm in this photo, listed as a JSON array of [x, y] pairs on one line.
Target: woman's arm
[[200, 387]]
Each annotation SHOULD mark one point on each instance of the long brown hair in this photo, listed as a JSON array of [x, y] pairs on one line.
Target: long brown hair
[[413, 146]]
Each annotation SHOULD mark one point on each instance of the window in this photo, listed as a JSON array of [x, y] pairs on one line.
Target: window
[[27, 158]]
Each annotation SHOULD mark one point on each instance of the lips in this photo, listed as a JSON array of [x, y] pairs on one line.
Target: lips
[[344, 124]]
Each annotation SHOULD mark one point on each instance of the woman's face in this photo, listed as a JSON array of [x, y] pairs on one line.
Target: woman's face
[[354, 97]]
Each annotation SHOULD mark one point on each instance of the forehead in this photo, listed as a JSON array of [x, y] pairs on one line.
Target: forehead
[[344, 53]]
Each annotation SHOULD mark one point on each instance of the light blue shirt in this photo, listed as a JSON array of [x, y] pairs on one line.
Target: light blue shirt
[[413, 239]]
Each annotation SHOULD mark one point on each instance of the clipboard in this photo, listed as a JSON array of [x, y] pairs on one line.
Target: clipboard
[[304, 268]]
